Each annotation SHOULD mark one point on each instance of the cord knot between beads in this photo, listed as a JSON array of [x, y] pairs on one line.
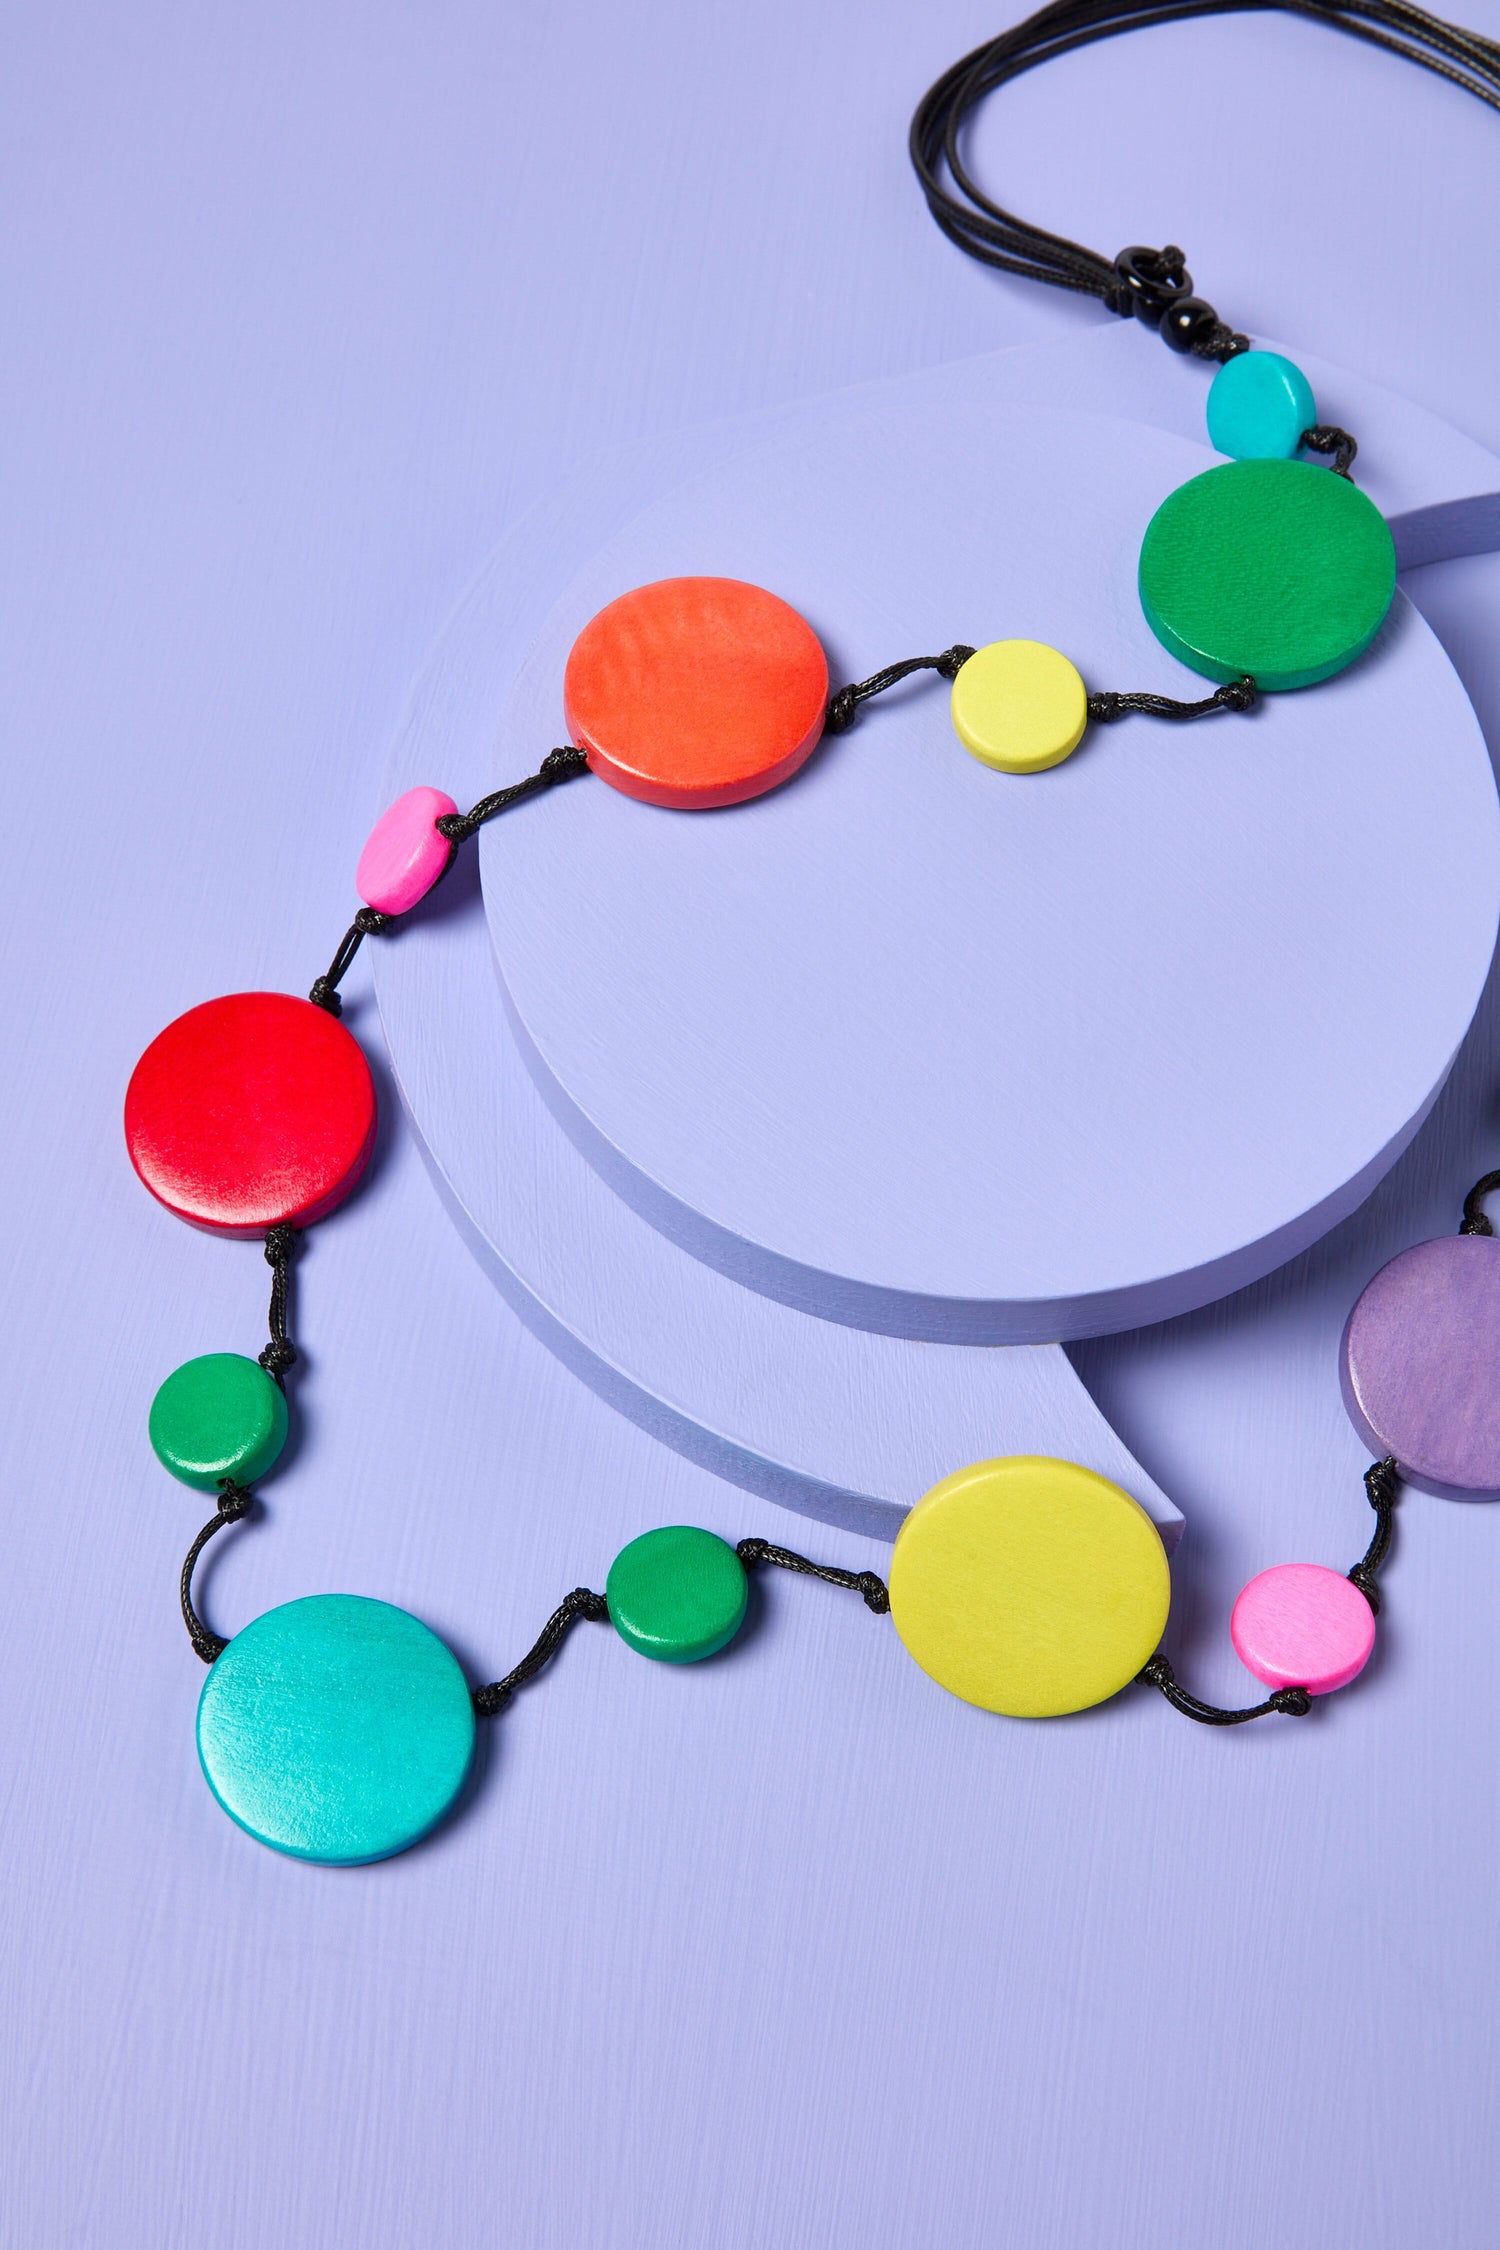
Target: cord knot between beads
[[278, 1357], [1295, 1702], [1363, 1577]]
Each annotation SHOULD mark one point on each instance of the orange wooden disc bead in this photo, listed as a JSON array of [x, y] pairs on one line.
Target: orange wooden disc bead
[[249, 1111], [695, 692]]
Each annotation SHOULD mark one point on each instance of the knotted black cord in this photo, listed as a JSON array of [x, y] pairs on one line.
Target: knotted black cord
[[1235, 695], [367, 923], [562, 764], [1474, 1220], [1292, 1702], [1327, 437], [280, 1354], [1381, 1482], [234, 1502], [1154, 285], [1106, 705], [843, 708], [489, 1701], [558, 765], [865, 1583]]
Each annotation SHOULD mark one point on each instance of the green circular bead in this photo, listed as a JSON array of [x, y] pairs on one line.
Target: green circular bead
[[677, 1594], [336, 1729], [1275, 568], [218, 1416]]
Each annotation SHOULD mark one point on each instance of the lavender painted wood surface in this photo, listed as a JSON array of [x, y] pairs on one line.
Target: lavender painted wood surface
[[841, 1424], [860, 1045], [845, 1426], [1420, 1365], [791, 1949]]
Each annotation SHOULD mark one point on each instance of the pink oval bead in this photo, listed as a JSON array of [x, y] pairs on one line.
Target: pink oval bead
[[1300, 1625], [405, 855]]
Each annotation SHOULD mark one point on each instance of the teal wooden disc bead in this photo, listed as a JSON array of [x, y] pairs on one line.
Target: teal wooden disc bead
[[336, 1729], [218, 1416], [1259, 404], [677, 1594]]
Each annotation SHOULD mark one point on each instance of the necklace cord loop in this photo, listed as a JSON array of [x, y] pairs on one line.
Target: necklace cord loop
[[1382, 1485], [1474, 1220], [1153, 286], [235, 1502]]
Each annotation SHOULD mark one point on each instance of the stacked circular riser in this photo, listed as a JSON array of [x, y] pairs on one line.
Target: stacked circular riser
[[793, 1399]]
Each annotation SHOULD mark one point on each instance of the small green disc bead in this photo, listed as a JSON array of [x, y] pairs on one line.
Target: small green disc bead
[[1259, 404], [218, 1416], [677, 1594]]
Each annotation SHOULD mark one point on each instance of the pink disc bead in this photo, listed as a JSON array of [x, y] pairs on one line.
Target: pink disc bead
[[405, 855], [1300, 1625]]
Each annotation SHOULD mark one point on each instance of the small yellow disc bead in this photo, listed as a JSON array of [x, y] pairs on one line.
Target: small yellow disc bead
[[1029, 1586], [1019, 705]]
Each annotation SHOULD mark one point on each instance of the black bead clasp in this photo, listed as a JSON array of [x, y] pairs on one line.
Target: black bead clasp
[[1157, 288], [1150, 281]]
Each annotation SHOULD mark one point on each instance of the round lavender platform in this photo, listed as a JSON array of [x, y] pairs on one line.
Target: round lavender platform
[[1420, 1365], [974, 1058], [839, 1424]]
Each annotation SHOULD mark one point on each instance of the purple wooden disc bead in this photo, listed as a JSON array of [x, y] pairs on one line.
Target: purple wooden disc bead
[[1420, 1365], [404, 855]]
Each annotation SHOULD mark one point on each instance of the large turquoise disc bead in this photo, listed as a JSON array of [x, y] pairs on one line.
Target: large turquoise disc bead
[[677, 1594], [218, 1416], [336, 1729], [1277, 569], [1258, 407]]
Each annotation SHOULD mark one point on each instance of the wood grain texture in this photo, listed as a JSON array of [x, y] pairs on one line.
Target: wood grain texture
[[1269, 568], [1019, 706], [251, 1111], [1030, 1587], [1420, 1365], [1303, 1625], [835, 1422], [693, 693], [789, 1948], [875, 1098]]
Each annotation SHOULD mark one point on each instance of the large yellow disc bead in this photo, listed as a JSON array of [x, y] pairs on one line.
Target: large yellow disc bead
[[1029, 1586], [1019, 705]]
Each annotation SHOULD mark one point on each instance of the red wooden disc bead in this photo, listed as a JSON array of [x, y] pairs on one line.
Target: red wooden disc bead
[[250, 1111], [695, 692]]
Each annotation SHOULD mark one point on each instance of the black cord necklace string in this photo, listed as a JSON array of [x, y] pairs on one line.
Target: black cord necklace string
[[1152, 285]]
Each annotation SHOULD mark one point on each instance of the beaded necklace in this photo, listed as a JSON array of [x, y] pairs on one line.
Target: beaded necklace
[[340, 1729]]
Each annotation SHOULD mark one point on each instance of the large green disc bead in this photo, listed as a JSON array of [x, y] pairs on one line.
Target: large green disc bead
[[336, 1729], [677, 1594], [1278, 569], [218, 1416]]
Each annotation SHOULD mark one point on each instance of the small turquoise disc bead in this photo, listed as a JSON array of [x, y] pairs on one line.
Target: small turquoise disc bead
[[1258, 407], [218, 1416], [336, 1729], [677, 1594]]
